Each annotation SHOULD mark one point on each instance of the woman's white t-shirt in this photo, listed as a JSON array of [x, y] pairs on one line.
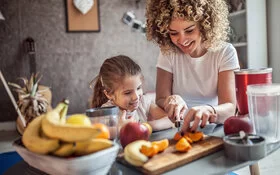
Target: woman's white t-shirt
[[196, 79]]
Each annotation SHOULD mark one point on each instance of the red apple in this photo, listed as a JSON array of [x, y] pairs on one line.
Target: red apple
[[234, 124], [133, 131]]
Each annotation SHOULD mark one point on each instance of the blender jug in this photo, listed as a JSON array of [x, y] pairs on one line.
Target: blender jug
[[264, 110]]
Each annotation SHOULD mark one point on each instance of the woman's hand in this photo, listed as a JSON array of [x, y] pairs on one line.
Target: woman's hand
[[175, 107], [200, 115]]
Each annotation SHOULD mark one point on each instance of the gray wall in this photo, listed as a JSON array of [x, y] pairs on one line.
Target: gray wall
[[68, 61], [273, 30]]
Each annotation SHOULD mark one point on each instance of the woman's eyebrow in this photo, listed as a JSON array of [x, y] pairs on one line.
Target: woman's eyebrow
[[184, 29]]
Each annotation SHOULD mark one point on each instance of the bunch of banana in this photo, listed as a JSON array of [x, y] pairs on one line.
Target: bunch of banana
[[34, 141], [54, 126], [133, 155], [82, 147], [49, 133]]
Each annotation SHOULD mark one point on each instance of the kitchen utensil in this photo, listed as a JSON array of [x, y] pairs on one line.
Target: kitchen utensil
[[264, 110], [245, 138], [107, 116], [246, 77], [177, 125], [238, 148]]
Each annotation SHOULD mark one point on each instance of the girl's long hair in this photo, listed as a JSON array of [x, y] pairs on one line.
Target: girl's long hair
[[110, 76]]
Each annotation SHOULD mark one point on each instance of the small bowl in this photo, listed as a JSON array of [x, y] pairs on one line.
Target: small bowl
[[235, 149], [96, 163]]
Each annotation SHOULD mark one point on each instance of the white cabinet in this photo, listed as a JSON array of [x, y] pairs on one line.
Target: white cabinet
[[249, 34]]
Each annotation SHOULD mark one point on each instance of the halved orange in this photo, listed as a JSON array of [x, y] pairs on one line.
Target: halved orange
[[105, 133]]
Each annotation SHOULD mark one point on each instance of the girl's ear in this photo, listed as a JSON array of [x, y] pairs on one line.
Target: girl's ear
[[110, 97]]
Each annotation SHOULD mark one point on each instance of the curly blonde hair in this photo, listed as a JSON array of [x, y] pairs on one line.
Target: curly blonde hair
[[211, 15]]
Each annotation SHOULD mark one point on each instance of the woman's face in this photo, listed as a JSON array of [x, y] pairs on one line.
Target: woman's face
[[186, 36], [127, 96]]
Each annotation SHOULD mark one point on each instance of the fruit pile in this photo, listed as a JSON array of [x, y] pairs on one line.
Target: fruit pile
[[184, 140], [138, 152], [53, 133]]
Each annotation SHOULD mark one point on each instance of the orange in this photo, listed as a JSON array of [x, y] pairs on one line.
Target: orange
[[196, 136], [188, 139], [149, 151], [183, 145], [162, 144], [177, 136], [105, 133]]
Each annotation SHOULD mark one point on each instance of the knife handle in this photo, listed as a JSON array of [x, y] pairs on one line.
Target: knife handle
[[177, 124]]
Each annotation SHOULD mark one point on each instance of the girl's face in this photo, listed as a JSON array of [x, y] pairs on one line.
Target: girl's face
[[127, 96], [186, 36]]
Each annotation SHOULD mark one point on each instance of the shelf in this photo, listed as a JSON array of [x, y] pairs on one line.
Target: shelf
[[237, 13], [241, 44], [249, 33]]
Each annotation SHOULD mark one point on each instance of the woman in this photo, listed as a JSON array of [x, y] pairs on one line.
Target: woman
[[195, 78]]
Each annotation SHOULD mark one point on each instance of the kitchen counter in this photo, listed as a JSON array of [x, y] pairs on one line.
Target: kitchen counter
[[215, 163]]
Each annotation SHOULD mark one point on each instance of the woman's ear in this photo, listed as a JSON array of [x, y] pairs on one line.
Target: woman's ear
[[110, 97]]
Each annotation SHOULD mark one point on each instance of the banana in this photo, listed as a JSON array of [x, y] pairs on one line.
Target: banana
[[82, 147], [132, 152], [54, 126], [132, 161], [92, 145], [65, 149], [34, 142]]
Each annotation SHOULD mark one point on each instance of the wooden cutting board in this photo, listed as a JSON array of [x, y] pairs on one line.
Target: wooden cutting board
[[170, 158]]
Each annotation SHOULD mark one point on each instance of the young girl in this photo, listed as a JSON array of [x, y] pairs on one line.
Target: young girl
[[119, 83]]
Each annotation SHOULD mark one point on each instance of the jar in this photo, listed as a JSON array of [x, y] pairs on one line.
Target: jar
[[244, 77], [107, 116]]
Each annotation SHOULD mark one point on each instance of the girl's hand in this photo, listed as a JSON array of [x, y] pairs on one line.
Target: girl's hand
[[200, 115], [124, 120], [175, 107]]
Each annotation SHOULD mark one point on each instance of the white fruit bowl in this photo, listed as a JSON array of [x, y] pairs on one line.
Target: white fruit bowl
[[95, 163]]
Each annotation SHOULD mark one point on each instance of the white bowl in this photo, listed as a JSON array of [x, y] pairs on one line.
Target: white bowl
[[95, 163]]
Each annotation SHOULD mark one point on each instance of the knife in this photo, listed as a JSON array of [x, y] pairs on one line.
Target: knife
[[177, 125]]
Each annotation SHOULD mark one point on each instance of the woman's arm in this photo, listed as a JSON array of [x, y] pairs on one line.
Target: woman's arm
[[163, 86], [161, 124], [226, 96], [225, 108], [158, 118], [174, 105]]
